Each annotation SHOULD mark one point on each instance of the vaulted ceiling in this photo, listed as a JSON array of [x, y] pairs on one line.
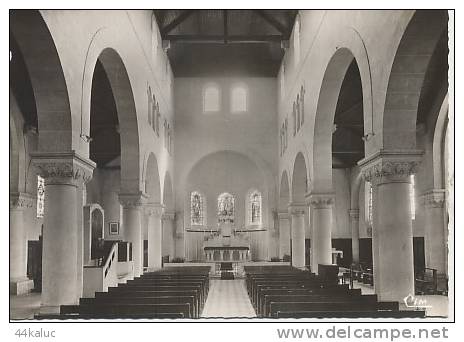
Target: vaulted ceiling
[[225, 42]]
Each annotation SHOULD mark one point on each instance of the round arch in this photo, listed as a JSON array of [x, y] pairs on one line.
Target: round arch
[[38, 49], [152, 179], [299, 179], [325, 113], [284, 192], [406, 78], [127, 116], [168, 193]]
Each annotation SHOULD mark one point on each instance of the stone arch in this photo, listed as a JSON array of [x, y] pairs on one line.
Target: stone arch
[[16, 147], [152, 179], [127, 117], [38, 49], [439, 153], [410, 63], [168, 192], [325, 113], [299, 179], [284, 192]]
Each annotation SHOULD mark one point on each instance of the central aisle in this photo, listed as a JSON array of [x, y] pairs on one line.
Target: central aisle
[[228, 298]]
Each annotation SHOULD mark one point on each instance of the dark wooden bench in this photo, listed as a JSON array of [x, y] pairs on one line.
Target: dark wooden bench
[[126, 310], [350, 314], [194, 313]]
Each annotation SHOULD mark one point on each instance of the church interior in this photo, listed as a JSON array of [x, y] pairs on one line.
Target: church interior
[[189, 164]]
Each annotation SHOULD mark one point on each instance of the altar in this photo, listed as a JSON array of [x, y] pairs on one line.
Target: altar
[[226, 245]]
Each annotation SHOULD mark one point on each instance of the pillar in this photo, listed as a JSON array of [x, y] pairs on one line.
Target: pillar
[[298, 235], [155, 236], [222, 255], [132, 226], [168, 220], [19, 283], [389, 174], [321, 241], [436, 231], [284, 234], [354, 226], [63, 174]]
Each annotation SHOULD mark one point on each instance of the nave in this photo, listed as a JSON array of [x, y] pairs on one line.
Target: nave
[[303, 145]]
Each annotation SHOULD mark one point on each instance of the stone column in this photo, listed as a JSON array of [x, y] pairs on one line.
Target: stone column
[[389, 174], [284, 234], [298, 235], [436, 231], [168, 220], [321, 241], [222, 255], [19, 283], [132, 226], [354, 225], [63, 174], [155, 235]]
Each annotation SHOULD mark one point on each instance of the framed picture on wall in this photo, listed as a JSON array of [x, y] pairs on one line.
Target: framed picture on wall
[[114, 228]]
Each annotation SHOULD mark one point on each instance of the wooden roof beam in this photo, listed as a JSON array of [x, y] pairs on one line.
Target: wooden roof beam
[[273, 22], [173, 24]]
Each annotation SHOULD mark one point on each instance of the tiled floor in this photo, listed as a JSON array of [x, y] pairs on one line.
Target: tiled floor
[[25, 306], [228, 298]]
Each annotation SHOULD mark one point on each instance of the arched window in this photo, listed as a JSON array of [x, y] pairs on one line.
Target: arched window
[[226, 208], [153, 112], [150, 104], [255, 208], [412, 197], [368, 203], [302, 94], [296, 41], [239, 99], [294, 118], [298, 120], [282, 80], [40, 196], [197, 209], [211, 98], [157, 121]]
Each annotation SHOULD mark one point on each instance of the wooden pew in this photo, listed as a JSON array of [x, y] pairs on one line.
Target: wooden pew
[[350, 314], [194, 313], [127, 310]]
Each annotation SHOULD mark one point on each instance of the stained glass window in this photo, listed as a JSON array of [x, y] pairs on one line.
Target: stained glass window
[[197, 209], [211, 101], [40, 196], [226, 207], [255, 208]]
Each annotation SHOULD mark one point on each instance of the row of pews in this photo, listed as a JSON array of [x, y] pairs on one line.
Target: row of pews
[[175, 292], [286, 292]]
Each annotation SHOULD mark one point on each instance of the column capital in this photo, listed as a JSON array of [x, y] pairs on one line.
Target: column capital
[[168, 215], [67, 168], [354, 213], [434, 198], [132, 200], [321, 200], [154, 209], [297, 209], [21, 200], [283, 215], [390, 166]]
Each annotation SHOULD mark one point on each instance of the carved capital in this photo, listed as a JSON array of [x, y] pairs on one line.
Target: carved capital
[[390, 166], [63, 168], [21, 200], [354, 214], [283, 215], [133, 200], [321, 201], [434, 198], [168, 216], [297, 209]]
